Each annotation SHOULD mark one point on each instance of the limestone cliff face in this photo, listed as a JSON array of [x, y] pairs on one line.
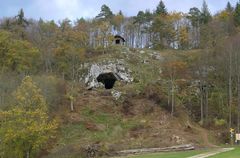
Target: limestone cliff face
[[117, 69]]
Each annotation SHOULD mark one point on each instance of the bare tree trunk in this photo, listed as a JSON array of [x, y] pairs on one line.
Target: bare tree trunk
[[230, 89], [46, 66], [72, 106], [206, 101], [238, 90], [173, 99], [198, 34], [28, 154], [238, 111], [169, 92], [201, 102]]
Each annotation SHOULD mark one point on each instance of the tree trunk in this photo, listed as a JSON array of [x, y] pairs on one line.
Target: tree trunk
[[201, 102], [72, 106], [206, 105], [172, 98], [230, 89], [238, 91], [169, 92], [238, 111], [28, 154]]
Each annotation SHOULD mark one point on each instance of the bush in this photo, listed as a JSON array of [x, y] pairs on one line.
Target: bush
[[53, 89], [8, 83], [220, 122]]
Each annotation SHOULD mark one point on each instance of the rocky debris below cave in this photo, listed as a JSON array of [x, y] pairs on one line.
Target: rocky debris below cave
[[156, 56], [116, 94]]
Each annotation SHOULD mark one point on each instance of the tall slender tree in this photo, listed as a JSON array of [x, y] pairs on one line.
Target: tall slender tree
[[20, 19], [237, 14], [229, 7], [206, 15]]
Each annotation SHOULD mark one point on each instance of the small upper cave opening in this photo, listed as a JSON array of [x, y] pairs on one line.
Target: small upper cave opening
[[119, 40], [108, 79]]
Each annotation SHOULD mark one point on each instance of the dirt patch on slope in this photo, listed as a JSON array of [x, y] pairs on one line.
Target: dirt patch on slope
[[136, 122]]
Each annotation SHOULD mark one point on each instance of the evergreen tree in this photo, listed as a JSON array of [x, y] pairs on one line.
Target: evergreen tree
[[161, 9], [206, 15], [194, 16], [65, 24], [120, 13], [105, 13], [140, 17], [229, 7], [148, 16], [20, 19], [237, 14]]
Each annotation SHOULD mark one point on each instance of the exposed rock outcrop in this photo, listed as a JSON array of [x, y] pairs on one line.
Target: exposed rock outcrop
[[106, 73]]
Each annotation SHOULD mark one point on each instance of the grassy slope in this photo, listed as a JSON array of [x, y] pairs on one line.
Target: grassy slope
[[98, 118]]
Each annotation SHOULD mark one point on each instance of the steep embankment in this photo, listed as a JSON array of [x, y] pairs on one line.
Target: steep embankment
[[139, 118]]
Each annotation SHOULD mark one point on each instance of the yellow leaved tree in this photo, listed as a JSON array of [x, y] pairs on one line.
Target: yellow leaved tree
[[26, 127]]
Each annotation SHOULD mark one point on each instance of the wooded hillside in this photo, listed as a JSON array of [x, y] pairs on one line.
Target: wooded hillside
[[185, 66]]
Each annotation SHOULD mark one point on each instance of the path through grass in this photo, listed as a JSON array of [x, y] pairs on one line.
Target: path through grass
[[170, 154]]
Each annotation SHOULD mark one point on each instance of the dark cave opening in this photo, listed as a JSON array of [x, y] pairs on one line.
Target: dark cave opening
[[108, 79], [117, 41]]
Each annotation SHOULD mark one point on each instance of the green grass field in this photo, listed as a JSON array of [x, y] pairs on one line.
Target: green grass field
[[230, 154], [170, 154]]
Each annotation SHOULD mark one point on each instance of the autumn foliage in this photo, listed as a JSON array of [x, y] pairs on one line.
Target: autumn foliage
[[25, 128]]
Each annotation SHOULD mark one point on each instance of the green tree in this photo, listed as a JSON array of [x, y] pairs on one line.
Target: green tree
[[44, 36], [140, 18], [69, 52], [25, 128], [236, 14], [194, 16], [206, 15], [20, 19], [16, 55], [105, 13], [229, 7], [164, 30], [226, 20], [20, 24], [28, 96], [65, 25], [161, 9]]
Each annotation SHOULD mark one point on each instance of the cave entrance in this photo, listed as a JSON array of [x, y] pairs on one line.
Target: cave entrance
[[108, 79], [118, 41]]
